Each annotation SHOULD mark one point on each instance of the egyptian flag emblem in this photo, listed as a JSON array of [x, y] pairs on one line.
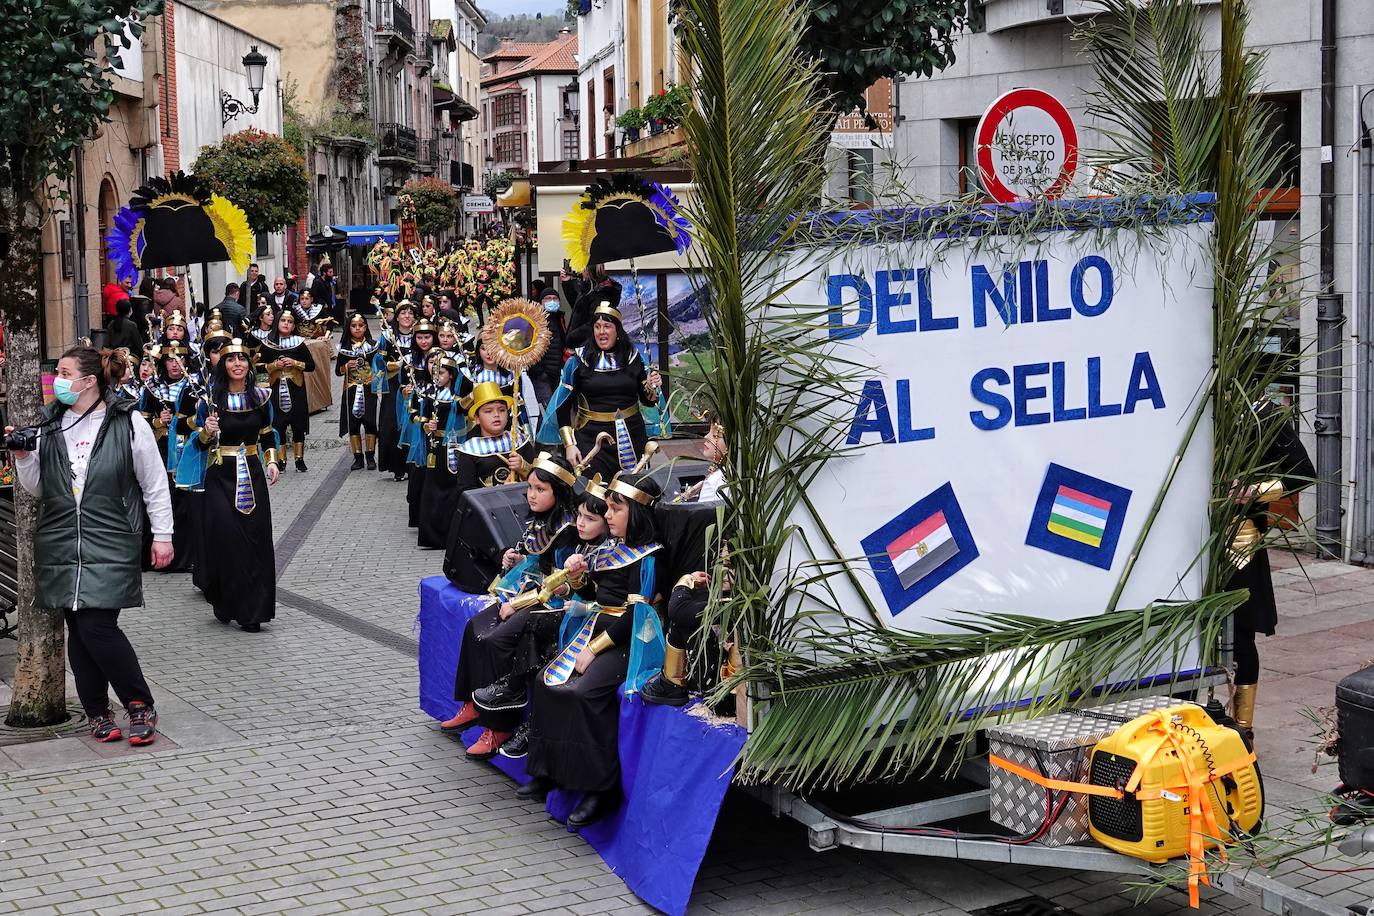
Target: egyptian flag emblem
[[1078, 516], [920, 548]]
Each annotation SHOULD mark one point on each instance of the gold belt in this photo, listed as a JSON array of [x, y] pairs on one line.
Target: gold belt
[[295, 375], [585, 416], [613, 611], [232, 451]]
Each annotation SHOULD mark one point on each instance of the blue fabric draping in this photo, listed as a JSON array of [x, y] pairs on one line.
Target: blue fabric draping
[[675, 766]]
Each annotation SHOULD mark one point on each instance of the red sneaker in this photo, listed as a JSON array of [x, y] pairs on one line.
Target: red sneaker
[[104, 729], [467, 714], [487, 744], [142, 724]]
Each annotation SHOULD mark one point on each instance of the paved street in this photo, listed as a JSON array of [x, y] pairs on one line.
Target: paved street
[[297, 774]]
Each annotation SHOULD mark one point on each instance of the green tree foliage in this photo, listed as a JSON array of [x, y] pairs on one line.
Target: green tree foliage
[[56, 71], [858, 42], [262, 173], [436, 204], [536, 27]]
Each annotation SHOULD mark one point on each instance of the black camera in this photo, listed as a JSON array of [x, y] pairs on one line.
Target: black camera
[[23, 439]]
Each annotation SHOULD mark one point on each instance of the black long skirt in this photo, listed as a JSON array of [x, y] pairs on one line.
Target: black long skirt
[[607, 462], [350, 425], [195, 511], [390, 457], [415, 492], [241, 562], [438, 503], [575, 727], [487, 651], [1260, 612], [297, 419]]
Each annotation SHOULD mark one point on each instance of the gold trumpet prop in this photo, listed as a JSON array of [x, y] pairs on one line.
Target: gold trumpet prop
[[603, 439], [650, 449], [552, 583]]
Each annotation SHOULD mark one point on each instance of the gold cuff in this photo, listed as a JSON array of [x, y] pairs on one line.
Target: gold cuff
[[1269, 490], [600, 643], [527, 599], [687, 581], [568, 436], [271, 457], [204, 437]]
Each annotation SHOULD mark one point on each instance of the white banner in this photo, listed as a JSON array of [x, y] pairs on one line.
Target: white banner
[[1022, 419]]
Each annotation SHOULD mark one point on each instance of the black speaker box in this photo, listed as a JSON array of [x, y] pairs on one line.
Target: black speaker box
[[1355, 725], [488, 520]]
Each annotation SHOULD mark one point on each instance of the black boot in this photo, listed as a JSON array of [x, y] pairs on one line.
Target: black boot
[[518, 744], [663, 692], [371, 462], [507, 693], [300, 464], [357, 464], [537, 788], [593, 807]]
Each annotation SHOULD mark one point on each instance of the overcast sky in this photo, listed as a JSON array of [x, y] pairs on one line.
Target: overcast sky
[[509, 7]]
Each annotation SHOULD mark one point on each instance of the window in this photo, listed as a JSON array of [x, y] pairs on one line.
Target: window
[[506, 110], [510, 147], [262, 248], [977, 16], [570, 144], [859, 167], [968, 180]]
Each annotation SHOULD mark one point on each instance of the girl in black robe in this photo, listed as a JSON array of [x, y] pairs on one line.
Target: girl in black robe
[[492, 638], [415, 370], [358, 406], [259, 329], [439, 417], [163, 404], [575, 702], [241, 574], [387, 363], [1290, 469], [287, 359], [194, 492], [603, 388]]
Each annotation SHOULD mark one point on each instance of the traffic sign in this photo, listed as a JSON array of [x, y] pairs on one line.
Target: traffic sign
[[1027, 146], [478, 203]]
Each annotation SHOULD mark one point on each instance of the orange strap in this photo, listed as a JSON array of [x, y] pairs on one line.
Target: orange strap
[[1060, 785]]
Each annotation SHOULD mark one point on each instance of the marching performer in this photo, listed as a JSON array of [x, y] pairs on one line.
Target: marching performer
[[603, 388], [358, 407], [386, 366], [439, 419], [287, 359], [415, 370], [189, 477], [240, 442], [575, 721]]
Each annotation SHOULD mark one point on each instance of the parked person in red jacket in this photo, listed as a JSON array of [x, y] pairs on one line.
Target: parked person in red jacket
[[110, 294]]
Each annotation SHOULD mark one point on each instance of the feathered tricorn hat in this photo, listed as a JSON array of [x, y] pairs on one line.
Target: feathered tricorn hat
[[174, 221], [621, 217]]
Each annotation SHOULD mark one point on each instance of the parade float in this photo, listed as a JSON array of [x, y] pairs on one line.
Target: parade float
[[990, 474]]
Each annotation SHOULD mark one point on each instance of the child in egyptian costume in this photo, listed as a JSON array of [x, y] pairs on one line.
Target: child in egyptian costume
[[397, 336], [441, 425], [415, 375], [358, 406], [287, 358]]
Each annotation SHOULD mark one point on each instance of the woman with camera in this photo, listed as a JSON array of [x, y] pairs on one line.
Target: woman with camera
[[94, 464]]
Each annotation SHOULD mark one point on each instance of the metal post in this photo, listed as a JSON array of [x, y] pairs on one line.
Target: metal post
[[1330, 311], [1361, 503], [662, 321]]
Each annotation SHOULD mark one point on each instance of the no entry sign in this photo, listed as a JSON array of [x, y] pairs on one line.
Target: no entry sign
[[1027, 146]]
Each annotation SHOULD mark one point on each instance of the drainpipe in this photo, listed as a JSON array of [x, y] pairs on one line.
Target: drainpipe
[[1330, 312], [1358, 502], [83, 297]]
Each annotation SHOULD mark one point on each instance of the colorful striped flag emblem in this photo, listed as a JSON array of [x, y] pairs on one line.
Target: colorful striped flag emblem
[[921, 549], [1079, 516]]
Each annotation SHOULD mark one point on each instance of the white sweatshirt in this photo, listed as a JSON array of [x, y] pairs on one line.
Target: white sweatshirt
[[148, 466]]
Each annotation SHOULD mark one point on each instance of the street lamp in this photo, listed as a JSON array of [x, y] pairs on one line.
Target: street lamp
[[255, 65], [572, 103]]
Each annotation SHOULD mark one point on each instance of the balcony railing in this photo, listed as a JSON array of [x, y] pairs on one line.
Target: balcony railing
[[427, 153], [394, 23], [397, 142], [460, 175]]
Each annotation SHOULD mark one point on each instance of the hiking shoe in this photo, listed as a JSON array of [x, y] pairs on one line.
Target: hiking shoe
[[663, 692], [142, 723], [486, 745], [103, 729], [371, 462], [467, 714], [300, 464], [502, 695], [357, 464], [518, 744]]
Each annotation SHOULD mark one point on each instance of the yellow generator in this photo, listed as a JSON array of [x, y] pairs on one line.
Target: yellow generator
[[1182, 782]]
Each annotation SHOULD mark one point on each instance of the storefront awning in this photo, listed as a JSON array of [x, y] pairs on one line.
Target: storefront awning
[[363, 235]]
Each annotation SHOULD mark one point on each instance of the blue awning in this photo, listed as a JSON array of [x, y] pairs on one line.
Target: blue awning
[[365, 235]]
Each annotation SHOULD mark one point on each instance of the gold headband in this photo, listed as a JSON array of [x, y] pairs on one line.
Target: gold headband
[[596, 488], [448, 363], [605, 308], [236, 346], [422, 327], [630, 491], [544, 462]]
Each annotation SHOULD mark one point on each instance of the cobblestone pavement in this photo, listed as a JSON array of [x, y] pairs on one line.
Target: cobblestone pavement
[[297, 774]]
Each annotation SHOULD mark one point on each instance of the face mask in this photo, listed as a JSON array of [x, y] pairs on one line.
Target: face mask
[[62, 390]]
